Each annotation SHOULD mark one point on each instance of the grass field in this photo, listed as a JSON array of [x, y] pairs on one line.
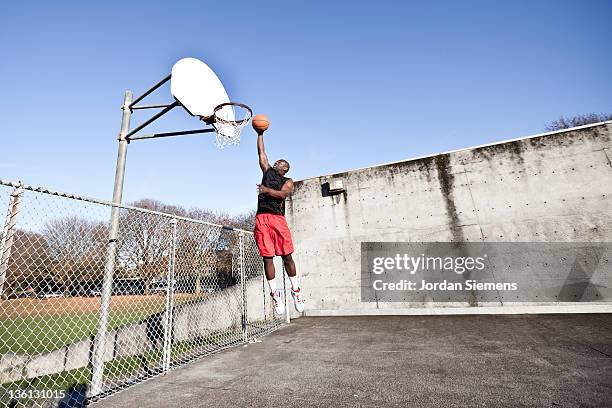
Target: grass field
[[34, 326]]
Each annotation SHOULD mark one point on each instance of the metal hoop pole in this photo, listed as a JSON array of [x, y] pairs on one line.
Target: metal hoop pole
[[97, 359]]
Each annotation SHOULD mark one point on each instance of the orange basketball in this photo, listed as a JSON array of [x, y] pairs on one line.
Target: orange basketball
[[260, 123]]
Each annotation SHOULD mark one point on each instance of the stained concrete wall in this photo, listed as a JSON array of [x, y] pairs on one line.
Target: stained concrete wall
[[550, 187]]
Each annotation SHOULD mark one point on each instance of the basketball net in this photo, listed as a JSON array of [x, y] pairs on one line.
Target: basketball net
[[229, 120]]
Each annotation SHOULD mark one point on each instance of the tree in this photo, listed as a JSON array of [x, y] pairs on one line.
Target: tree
[[145, 241], [29, 263], [77, 251], [245, 221], [203, 252], [578, 120]]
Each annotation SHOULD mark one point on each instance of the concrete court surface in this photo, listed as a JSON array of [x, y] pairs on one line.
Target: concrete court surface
[[400, 361]]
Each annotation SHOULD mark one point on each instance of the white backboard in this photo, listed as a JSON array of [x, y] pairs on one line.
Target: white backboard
[[196, 87]]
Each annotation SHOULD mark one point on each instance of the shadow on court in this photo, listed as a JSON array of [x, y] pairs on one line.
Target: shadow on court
[[399, 361]]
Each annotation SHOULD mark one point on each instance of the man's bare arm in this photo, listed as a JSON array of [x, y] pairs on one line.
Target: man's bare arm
[[261, 151], [282, 193]]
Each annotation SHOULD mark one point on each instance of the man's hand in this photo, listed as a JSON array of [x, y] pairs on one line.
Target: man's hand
[[261, 189], [208, 119]]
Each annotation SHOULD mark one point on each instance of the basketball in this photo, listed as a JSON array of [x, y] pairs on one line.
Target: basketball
[[260, 123]]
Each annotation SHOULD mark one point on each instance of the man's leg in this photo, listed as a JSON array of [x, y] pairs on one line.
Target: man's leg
[[270, 272], [295, 286], [291, 271], [265, 242], [279, 306]]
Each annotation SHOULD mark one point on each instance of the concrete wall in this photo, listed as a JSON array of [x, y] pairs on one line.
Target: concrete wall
[[550, 187]]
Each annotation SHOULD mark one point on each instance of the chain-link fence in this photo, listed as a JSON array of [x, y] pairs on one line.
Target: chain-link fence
[[178, 289]]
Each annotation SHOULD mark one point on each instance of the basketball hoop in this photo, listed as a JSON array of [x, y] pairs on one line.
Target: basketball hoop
[[228, 120]]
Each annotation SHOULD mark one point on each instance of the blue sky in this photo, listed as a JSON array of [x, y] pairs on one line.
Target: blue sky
[[345, 85]]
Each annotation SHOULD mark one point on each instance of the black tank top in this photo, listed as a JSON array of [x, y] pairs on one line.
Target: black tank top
[[267, 204]]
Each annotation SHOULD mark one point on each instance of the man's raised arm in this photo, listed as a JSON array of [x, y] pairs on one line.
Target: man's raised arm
[[283, 193], [261, 151]]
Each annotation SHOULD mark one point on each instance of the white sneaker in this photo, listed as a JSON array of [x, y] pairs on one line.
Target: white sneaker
[[298, 301], [277, 301]]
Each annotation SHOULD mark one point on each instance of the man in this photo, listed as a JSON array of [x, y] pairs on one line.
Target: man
[[271, 231]]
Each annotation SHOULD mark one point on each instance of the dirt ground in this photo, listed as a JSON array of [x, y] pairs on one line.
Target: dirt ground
[[71, 305]]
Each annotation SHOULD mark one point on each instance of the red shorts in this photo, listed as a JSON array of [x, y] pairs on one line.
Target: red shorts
[[272, 235]]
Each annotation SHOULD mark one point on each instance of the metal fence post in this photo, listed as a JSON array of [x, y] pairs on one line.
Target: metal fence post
[[97, 360], [245, 328], [169, 299], [7, 234]]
